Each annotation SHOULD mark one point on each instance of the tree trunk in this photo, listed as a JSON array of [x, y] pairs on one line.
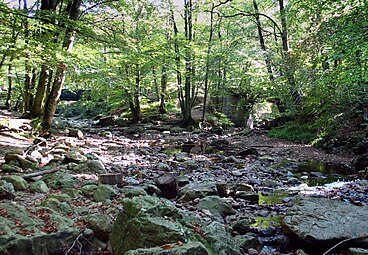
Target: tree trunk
[[189, 68], [73, 10], [289, 73], [163, 89], [207, 65], [136, 110], [8, 103], [40, 92], [262, 42]]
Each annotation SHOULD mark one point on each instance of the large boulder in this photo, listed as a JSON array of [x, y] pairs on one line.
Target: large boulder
[[198, 190], [34, 231], [18, 182], [194, 248], [216, 205], [149, 223], [321, 222]]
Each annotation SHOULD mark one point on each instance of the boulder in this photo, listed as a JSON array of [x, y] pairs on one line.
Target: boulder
[[18, 182], [74, 157], [89, 189], [104, 192], [101, 226], [322, 222], [107, 121], [37, 231], [216, 205], [198, 190], [7, 190], [39, 187], [61, 180], [11, 168], [152, 223], [90, 166], [132, 191], [76, 133]]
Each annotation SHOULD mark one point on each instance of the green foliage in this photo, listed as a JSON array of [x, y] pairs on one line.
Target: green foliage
[[220, 120], [297, 132]]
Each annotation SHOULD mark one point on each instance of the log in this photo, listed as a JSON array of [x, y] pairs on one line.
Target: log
[[31, 175], [111, 179], [167, 184]]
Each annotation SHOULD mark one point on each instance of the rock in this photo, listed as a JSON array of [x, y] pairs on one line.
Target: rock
[[270, 183], [76, 133], [193, 248], [18, 182], [31, 235], [104, 192], [321, 222], [73, 193], [56, 205], [73, 157], [248, 152], [39, 187], [242, 226], [181, 157], [7, 190], [132, 191], [61, 197], [11, 168], [250, 196], [163, 167], [198, 190], [249, 241], [148, 222], [107, 121], [61, 180], [13, 155], [101, 226], [190, 164], [90, 166], [182, 180], [216, 205], [89, 190]]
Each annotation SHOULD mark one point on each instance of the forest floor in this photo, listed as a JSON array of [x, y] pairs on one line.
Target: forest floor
[[236, 156]]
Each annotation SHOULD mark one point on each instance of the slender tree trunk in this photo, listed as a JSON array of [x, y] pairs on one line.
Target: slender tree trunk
[[188, 25], [40, 92], [207, 65], [289, 73], [8, 103], [73, 10], [136, 111], [262, 42], [162, 108]]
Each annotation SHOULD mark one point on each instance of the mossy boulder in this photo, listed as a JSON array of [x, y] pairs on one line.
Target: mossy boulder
[[18, 182], [39, 187], [104, 192]]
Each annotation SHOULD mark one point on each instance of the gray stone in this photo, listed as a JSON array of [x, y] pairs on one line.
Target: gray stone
[[7, 190], [325, 220], [163, 167], [198, 190], [61, 180], [132, 191], [73, 157], [249, 241], [37, 242], [107, 121], [148, 222], [242, 226], [56, 205], [101, 226], [90, 166], [181, 157], [73, 193], [216, 205], [250, 196], [76, 133], [104, 192], [193, 248], [39, 187], [18, 182], [11, 168], [89, 190]]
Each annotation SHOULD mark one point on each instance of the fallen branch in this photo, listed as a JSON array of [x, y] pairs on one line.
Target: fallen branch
[[345, 241], [31, 175]]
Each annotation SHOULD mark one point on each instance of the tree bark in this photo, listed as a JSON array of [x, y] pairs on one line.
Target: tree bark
[[40, 92], [73, 11], [162, 108], [8, 103], [262, 42]]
